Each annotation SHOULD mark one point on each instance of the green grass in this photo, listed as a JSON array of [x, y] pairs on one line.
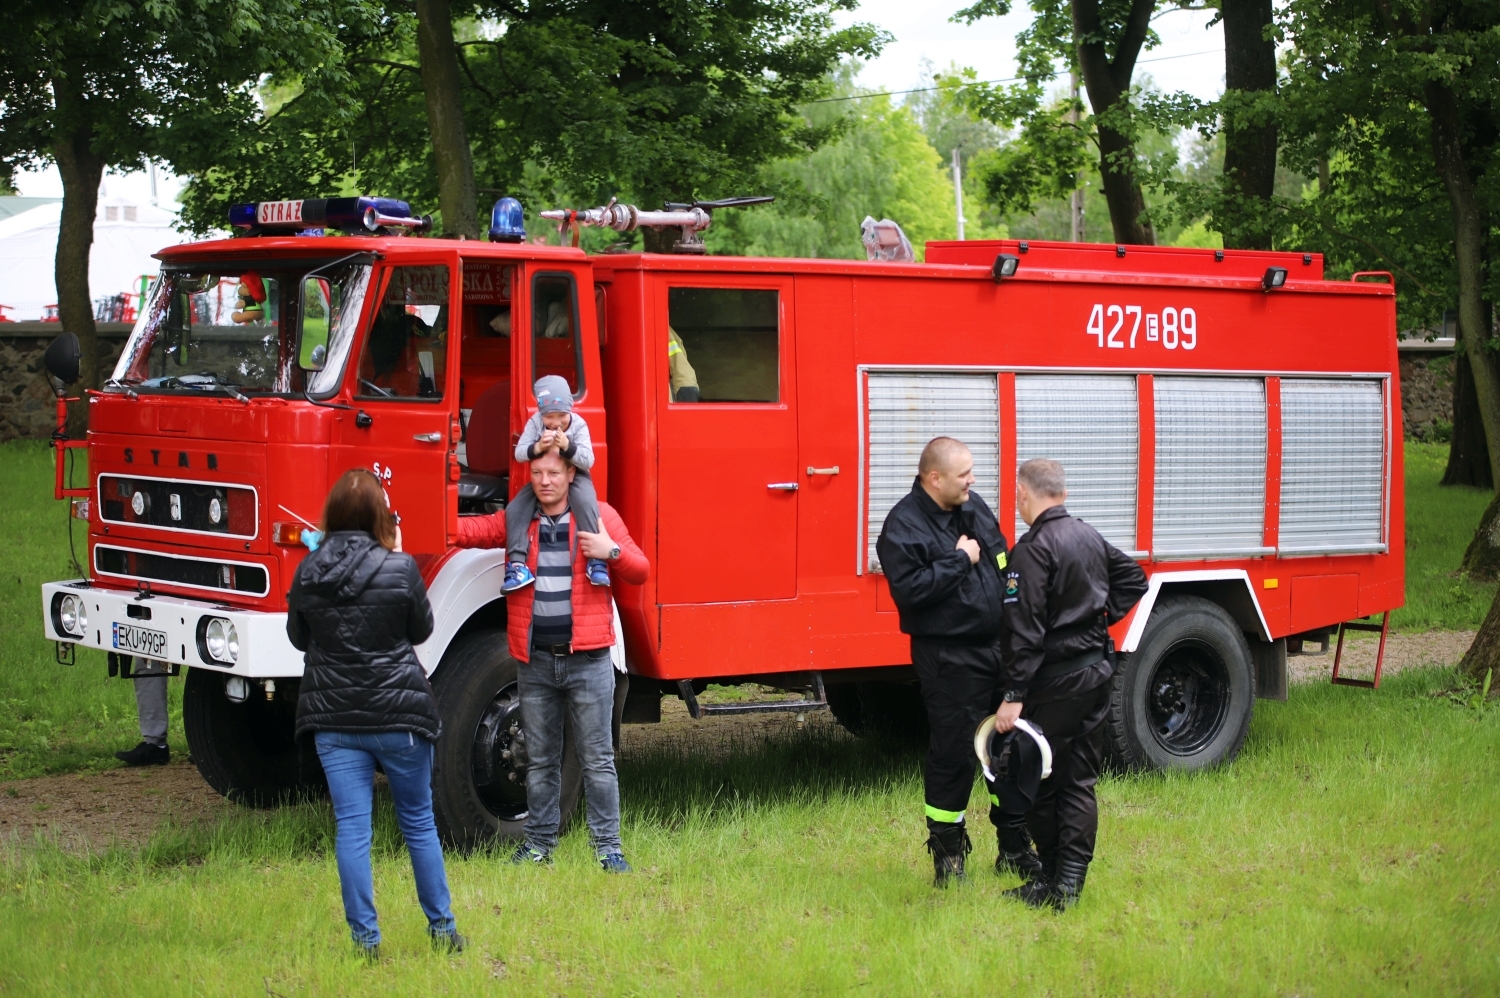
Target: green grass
[[1440, 522], [1349, 851]]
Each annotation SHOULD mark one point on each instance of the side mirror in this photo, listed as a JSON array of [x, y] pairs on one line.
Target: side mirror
[[63, 357], [313, 321]]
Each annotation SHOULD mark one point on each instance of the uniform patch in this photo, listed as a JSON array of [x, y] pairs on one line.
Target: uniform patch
[[1011, 586], [1000, 560]]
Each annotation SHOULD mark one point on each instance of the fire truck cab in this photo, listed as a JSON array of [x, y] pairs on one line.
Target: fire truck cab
[[1231, 419]]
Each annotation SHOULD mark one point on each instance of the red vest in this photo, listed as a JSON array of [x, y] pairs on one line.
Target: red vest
[[593, 616]]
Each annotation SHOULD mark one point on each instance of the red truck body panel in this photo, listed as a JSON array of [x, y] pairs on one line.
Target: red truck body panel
[[760, 549]]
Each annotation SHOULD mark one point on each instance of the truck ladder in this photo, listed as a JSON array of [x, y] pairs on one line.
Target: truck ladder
[[696, 710], [1384, 628]]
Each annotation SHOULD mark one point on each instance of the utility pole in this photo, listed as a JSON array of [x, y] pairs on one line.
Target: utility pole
[[958, 193], [1076, 207]]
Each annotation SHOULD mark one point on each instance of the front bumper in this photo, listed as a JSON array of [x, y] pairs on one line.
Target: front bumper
[[264, 651]]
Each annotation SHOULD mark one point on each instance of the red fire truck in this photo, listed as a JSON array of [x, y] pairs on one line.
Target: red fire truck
[[1230, 418]]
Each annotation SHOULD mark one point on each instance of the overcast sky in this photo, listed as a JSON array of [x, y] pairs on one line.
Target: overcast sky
[[1189, 58]]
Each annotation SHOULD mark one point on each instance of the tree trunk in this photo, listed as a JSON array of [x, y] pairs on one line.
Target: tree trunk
[[1249, 146], [1484, 653], [1468, 246], [1482, 558], [1107, 80], [82, 169], [443, 91], [1468, 453]]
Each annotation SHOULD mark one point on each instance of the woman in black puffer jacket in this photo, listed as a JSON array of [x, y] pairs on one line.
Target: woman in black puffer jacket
[[357, 606]]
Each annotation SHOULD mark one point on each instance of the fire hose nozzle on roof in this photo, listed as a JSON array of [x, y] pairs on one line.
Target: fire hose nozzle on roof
[[692, 219]]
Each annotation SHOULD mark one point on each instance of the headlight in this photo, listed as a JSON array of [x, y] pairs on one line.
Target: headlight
[[221, 640], [72, 616]]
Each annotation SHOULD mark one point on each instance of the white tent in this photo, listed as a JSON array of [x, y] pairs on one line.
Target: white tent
[[126, 233]]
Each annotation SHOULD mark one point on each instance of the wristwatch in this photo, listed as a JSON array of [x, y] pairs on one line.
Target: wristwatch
[[614, 553], [1012, 696]]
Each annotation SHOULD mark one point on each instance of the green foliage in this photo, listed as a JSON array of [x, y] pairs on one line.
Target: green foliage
[[1348, 851], [137, 79], [643, 100], [881, 164]]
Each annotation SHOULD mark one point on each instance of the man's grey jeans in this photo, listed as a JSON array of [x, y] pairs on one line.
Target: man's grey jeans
[[580, 686], [151, 701]]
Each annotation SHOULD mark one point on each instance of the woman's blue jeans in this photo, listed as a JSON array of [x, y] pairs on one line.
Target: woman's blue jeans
[[349, 760]]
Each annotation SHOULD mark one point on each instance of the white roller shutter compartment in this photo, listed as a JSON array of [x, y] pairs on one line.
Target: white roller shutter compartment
[[1332, 466], [907, 409], [1091, 423], [1210, 495]]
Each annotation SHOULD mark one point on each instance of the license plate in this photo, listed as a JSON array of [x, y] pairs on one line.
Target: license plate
[[140, 640]]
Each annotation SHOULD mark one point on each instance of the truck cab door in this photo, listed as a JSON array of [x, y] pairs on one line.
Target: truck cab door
[[404, 388], [728, 462]]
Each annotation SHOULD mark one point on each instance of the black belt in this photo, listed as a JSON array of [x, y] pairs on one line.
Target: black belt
[[560, 651], [1054, 669]]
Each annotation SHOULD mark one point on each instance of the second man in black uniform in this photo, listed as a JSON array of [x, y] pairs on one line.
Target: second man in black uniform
[[1065, 584], [942, 553]]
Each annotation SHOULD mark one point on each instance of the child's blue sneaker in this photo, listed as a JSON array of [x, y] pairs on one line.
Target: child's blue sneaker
[[517, 576], [598, 572], [525, 855], [614, 863]]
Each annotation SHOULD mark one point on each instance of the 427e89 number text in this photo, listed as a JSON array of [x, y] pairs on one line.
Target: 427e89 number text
[[1116, 327]]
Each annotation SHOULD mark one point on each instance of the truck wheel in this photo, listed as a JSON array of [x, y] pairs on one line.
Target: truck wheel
[[1184, 699], [246, 751], [889, 711], [478, 770]]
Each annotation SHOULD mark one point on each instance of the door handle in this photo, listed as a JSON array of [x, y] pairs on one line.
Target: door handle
[[428, 438], [822, 471], [783, 486]]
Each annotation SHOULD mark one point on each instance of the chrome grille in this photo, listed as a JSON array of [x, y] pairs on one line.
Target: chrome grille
[[1210, 496], [1091, 423], [1332, 466], [908, 409]]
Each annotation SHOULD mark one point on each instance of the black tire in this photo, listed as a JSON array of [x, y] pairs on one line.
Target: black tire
[[478, 783], [885, 711], [246, 751], [1184, 698]]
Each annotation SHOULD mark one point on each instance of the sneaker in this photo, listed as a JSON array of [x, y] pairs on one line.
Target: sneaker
[[449, 942], [517, 576], [525, 854], [614, 863], [598, 572], [146, 754]]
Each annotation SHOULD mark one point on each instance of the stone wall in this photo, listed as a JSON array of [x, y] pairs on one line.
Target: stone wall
[[27, 406], [1427, 395]]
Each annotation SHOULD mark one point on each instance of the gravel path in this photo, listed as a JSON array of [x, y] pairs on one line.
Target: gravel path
[[93, 810]]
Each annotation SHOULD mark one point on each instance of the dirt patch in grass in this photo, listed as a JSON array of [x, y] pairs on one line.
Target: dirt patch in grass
[[1402, 651], [93, 810], [120, 806]]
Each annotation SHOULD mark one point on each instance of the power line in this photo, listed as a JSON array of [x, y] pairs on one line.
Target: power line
[[1012, 79]]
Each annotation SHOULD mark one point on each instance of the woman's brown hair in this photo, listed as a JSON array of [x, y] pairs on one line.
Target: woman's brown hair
[[357, 502]]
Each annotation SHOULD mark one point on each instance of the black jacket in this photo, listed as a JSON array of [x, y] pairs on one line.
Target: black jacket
[[356, 609], [941, 595], [1064, 586]]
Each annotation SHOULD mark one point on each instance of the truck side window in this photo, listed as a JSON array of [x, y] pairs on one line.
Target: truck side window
[[405, 354], [554, 330], [727, 340]]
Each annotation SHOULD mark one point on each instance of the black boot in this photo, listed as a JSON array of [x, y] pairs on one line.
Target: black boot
[[146, 754], [949, 844], [1036, 890], [1015, 852], [1068, 884]]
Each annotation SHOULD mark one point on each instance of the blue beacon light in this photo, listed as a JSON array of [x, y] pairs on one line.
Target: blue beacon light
[[507, 224]]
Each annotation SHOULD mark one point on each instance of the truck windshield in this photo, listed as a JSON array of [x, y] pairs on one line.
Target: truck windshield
[[234, 327]]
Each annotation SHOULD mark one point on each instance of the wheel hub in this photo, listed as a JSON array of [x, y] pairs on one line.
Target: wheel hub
[[1188, 699], [499, 756]]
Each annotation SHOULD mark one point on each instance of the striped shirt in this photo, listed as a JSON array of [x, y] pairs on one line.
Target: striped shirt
[[552, 611]]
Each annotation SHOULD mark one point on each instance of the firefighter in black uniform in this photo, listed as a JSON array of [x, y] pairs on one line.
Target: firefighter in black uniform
[[942, 553], [1065, 584]]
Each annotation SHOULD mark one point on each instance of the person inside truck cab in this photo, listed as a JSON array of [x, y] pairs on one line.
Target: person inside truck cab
[[681, 377], [401, 357]]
